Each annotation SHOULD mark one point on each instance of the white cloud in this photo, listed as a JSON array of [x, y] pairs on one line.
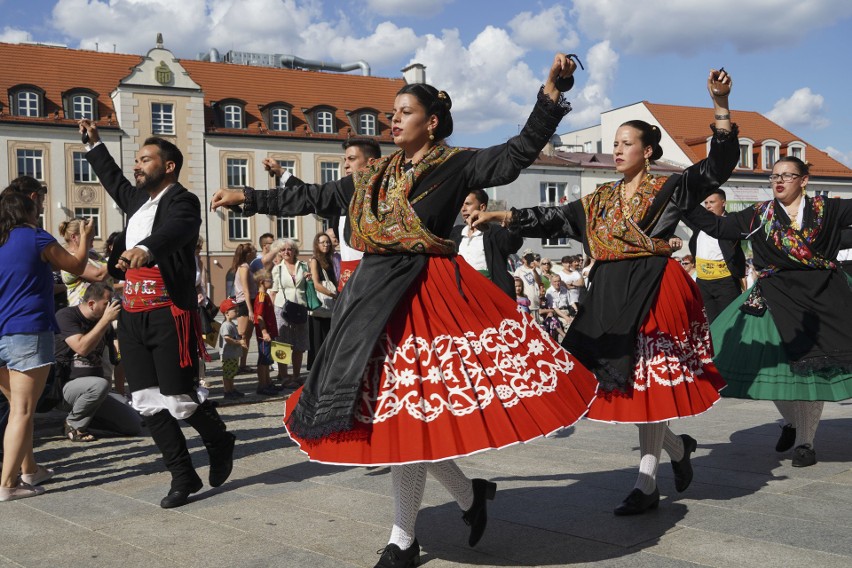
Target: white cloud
[[593, 99], [406, 7], [487, 90], [803, 108], [547, 30], [690, 26], [12, 35], [840, 156]]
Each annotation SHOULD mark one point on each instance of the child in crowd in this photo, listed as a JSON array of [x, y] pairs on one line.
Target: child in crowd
[[264, 321], [523, 301], [230, 348]]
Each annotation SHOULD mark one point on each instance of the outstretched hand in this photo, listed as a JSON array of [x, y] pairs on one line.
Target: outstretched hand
[[719, 84], [226, 198], [91, 129], [477, 219]]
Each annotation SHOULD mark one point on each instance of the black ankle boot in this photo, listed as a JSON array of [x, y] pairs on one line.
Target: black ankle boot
[[394, 557], [166, 432], [787, 438], [221, 460], [477, 516], [637, 503], [218, 441], [683, 468]]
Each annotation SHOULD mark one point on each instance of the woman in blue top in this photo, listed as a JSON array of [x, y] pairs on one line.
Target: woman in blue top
[[27, 326]]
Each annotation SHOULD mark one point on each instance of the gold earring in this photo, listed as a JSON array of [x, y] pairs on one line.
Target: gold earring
[[431, 136], [647, 165]]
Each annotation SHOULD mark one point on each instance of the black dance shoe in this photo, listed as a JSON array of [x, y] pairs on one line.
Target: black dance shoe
[[394, 557], [804, 456], [683, 469], [477, 516], [787, 438], [637, 503], [221, 460], [180, 497]]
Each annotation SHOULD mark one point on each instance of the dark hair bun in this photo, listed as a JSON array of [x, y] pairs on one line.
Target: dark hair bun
[[650, 135]]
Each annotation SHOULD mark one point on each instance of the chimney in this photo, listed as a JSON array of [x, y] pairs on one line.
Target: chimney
[[414, 73]]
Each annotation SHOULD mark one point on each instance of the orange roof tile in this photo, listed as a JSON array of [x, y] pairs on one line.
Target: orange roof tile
[[688, 126], [300, 89], [57, 70]]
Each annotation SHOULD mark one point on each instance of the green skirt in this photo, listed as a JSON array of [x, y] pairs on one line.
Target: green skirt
[[753, 362]]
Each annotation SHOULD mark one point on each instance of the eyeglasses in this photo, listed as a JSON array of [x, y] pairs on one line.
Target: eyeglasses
[[785, 177]]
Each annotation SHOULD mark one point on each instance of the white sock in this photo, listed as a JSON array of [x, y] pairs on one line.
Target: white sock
[[650, 446], [409, 481], [454, 481], [673, 445], [787, 408], [807, 417]]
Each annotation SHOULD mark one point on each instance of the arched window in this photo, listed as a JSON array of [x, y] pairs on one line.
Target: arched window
[[82, 106], [27, 102], [770, 152], [324, 122], [279, 118], [232, 114], [796, 150], [367, 124]]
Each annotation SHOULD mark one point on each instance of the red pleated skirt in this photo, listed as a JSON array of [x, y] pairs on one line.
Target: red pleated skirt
[[453, 376], [674, 375]]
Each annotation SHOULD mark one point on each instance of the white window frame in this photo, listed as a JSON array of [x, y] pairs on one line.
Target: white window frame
[[93, 213], [238, 227], [162, 118], [30, 162], [329, 171], [83, 171], [325, 122], [82, 106], [236, 172], [794, 147], [555, 242], [279, 119], [746, 154], [766, 155], [27, 103], [287, 228], [232, 115], [549, 189], [367, 124]]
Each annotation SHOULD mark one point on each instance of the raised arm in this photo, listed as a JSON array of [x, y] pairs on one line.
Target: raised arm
[[108, 171], [294, 199], [539, 222]]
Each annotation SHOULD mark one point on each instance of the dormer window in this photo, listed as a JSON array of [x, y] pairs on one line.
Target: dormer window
[[367, 124], [27, 101], [324, 120], [80, 104], [770, 153], [796, 150], [232, 115], [279, 119], [746, 152]]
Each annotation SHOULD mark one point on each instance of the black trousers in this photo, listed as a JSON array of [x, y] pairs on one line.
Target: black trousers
[[150, 352], [718, 294]]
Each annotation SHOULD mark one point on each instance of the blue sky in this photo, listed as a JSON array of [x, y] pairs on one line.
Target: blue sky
[[789, 60]]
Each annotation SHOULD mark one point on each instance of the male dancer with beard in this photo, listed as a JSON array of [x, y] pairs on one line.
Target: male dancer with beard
[[158, 325]]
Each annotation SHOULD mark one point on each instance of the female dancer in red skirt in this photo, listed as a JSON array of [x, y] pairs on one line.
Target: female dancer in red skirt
[[426, 359], [642, 328]]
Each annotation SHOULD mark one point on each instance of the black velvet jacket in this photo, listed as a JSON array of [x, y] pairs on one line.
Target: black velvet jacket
[[174, 234], [498, 243], [810, 307], [732, 252], [371, 295], [603, 335]]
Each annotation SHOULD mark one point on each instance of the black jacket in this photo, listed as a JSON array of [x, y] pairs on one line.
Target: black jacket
[[732, 252], [499, 243], [173, 236]]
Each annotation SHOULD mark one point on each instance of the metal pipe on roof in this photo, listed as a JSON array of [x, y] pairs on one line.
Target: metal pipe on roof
[[212, 56], [292, 62]]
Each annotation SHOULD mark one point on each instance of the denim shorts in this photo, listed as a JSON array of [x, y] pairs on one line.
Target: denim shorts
[[25, 351]]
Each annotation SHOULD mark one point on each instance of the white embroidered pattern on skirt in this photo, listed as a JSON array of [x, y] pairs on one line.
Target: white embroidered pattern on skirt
[[668, 361], [426, 378]]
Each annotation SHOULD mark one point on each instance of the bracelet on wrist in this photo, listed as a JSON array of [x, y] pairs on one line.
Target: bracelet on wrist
[[722, 116]]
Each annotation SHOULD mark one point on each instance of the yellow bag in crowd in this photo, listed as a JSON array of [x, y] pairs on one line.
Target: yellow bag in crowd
[[282, 352]]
